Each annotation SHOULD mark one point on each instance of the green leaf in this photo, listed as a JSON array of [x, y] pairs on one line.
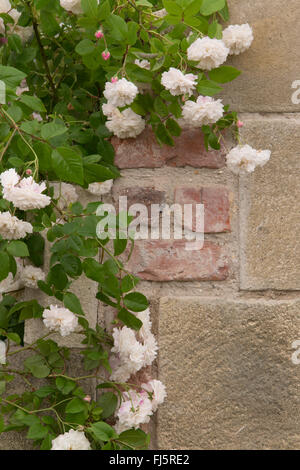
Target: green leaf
[[172, 7], [14, 337], [58, 277], [224, 13], [136, 302], [135, 438], [85, 47], [95, 173], [72, 265], [4, 265], [129, 319], [192, 8], [18, 248], [37, 366], [119, 246], [67, 165], [75, 406], [102, 431], [143, 3], [72, 303], [36, 246], [11, 76], [119, 30], [132, 32], [44, 391], [52, 129], [160, 107], [90, 7], [224, 74], [49, 24], [208, 88], [128, 283], [93, 270], [15, 43], [33, 103], [2, 386], [37, 431], [209, 7], [173, 127], [108, 402], [64, 385], [104, 10], [163, 135]]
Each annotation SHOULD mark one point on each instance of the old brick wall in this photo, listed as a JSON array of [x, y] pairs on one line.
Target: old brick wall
[[226, 316]]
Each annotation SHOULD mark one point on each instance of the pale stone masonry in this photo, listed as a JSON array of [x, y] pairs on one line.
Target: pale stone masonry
[[225, 316]]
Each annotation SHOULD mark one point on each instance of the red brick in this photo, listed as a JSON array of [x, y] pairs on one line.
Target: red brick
[[164, 260], [189, 150], [145, 152], [216, 206]]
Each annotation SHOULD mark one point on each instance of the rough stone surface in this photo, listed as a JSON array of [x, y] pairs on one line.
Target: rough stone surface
[[164, 260], [269, 206], [270, 66], [229, 375], [144, 152], [216, 206]]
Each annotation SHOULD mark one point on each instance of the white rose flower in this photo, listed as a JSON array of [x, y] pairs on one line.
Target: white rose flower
[[72, 5], [22, 88], [37, 116], [133, 350], [143, 64], [27, 194], [71, 440], [108, 110], [204, 111], [160, 13], [120, 93], [24, 32], [99, 189], [2, 352], [136, 409], [5, 6], [158, 392], [178, 83], [209, 53], [60, 319], [31, 275], [12, 228], [125, 124], [66, 194], [9, 179], [238, 38], [244, 159]]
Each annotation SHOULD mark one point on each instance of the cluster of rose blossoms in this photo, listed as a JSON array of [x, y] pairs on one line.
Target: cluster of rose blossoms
[[136, 409], [209, 54]]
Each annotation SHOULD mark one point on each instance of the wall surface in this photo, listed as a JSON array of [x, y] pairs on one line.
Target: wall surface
[[226, 315]]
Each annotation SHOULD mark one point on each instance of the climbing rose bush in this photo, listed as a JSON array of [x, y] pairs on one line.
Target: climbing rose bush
[[74, 73]]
